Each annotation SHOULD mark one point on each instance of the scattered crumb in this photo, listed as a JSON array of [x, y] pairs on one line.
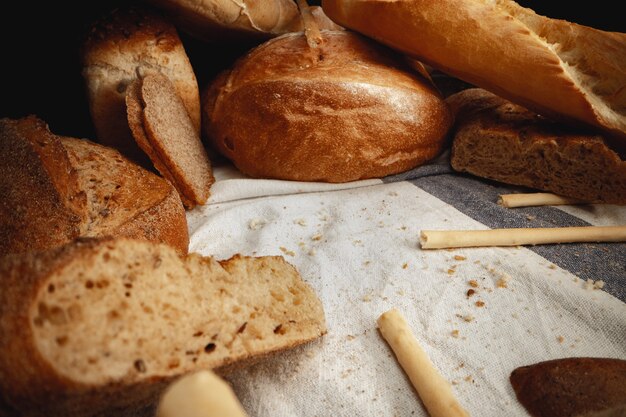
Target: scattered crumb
[[405, 265], [403, 228], [393, 193], [400, 292], [300, 222], [479, 303], [552, 266], [560, 339], [316, 237], [311, 252], [503, 281], [529, 217], [470, 292], [591, 285], [366, 298], [451, 271], [350, 337], [459, 258], [473, 283], [476, 262], [468, 379], [468, 317], [454, 333], [454, 382], [287, 251], [366, 263], [301, 244], [256, 224]]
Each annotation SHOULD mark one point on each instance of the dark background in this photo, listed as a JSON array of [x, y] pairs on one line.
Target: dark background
[[41, 69]]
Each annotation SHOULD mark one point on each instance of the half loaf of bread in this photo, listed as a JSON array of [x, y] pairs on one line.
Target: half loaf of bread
[[554, 67], [101, 326], [345, 110], [122, 46], [164, 131], [55, 189], [499, 140]]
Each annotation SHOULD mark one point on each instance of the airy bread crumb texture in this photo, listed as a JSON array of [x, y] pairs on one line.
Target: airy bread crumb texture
[[132, 311]]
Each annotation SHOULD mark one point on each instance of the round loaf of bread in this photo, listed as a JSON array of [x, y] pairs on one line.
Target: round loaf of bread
[[345, 110], [122, 46]]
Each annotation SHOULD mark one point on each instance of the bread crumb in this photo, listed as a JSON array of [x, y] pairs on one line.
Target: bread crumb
[[366, 298], [468, 379], [560, 339], [287, 251], [350, 337], [503, 281], [473, 283], [405, 265], [256, 224], [311, 252], [552, 266], [451, 271], [459, 258], [455, 333], [479, 303], [467, 318], [598, 285], [366, 263], [300, 222], [470, 292], [317, 236], [530, 217]]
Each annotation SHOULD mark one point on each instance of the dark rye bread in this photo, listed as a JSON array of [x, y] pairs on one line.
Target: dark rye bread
[[163, 130], [55, 189], [502, 141], [100, 326], [570, 387]]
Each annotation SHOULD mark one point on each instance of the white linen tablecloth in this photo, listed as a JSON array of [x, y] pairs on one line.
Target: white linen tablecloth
[[357, 245]]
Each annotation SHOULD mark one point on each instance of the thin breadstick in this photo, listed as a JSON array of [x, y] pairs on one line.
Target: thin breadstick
[[311, 29], [536, 199], [439, 239], [435, 392]]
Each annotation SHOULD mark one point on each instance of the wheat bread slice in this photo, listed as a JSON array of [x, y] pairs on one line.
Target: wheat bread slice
[[162, 129], [497, 139], [55, 189], [102, 325]]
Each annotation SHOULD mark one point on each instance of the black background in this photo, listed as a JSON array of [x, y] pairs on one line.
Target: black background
[[40, 58]]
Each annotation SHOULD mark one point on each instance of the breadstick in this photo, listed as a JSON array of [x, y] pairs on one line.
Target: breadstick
[[536, 199], [435, 392], [439, 239], [201, 394]]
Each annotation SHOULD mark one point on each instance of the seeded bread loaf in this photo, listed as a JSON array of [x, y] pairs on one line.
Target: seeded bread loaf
[[101, 326], [55, 189], [499, 140], [163, 130], [122, 46]]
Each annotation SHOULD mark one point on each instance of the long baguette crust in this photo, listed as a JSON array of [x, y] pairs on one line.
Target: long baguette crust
[[216, 20], [557, 68], [56, 189], [120, 47], [499, 140], [100, 326]]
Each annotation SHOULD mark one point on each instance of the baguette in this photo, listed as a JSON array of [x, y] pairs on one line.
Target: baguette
[[496, 139], [102, 326], [344, 110], [213, 20], [554, 67], [56, 189], [122, 46]]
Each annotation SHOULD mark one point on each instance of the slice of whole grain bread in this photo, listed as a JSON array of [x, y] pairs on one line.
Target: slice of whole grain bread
[[101, 326]]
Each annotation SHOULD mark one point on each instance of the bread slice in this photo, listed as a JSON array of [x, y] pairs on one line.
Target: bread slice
[[496, 139], [55, 189], [554, 67], [572, 387], [100, 326], [120, 47], [163, 130]]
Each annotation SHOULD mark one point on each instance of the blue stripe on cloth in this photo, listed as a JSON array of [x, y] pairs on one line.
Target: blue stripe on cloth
[[477, 199]]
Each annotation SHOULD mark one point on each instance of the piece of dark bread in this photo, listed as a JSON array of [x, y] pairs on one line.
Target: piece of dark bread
[[55, 189], [572, 387], [163, 130], [502, 141], [101, 326]]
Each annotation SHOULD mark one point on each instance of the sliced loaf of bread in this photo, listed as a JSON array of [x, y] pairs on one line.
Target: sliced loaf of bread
[[164, 131], [101, 326], [55, 189]]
